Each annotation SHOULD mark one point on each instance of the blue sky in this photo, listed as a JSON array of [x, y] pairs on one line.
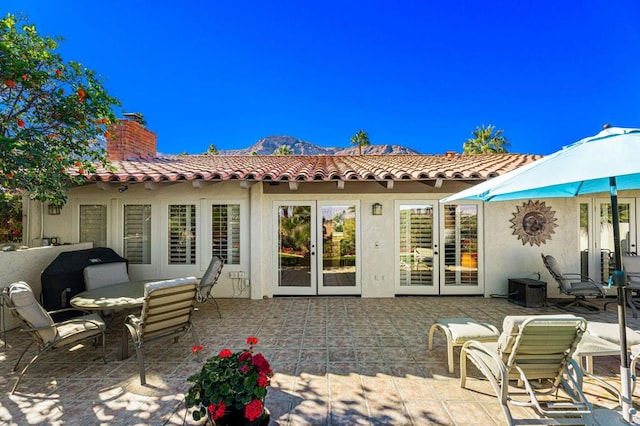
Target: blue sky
[[421, 73]]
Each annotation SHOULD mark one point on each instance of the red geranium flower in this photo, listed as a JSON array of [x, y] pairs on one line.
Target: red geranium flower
[[253, 410], [225, 353], [260, 362], [244, 356], [263, 381], [10, 84], [196, 348], [252, 340], [21, 123], [217, 411]]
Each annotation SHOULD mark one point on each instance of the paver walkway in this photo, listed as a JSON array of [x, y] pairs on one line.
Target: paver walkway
[[338, 361]]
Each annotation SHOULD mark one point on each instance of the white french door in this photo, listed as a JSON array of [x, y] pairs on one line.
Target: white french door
[[437, 250], [316, 246], [417, 248], [596, 235]]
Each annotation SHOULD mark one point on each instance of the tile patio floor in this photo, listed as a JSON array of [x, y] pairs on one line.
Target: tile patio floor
[[338, 361]]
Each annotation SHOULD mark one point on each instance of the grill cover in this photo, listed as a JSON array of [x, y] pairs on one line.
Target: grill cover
[[64, 278]]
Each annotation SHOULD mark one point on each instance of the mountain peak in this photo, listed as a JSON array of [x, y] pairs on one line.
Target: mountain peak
[[266, 146]]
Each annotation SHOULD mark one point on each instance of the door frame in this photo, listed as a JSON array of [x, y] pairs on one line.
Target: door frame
[[311, 290], [426, 290], [337, 290]]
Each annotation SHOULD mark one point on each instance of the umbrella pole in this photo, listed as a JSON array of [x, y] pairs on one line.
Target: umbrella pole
[[619, 279]]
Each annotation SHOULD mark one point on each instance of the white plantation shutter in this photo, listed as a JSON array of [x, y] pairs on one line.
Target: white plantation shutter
[[416, 232], [182, 234], [461, 244], [225, 228], [93, 224], [137, 233]]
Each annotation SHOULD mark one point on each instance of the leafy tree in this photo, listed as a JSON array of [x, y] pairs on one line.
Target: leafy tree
[[53, 115], [486, 141], [360, 139], [283, 150], [212, 150]]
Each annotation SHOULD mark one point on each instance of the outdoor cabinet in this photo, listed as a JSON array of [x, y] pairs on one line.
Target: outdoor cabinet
[[528, 292]]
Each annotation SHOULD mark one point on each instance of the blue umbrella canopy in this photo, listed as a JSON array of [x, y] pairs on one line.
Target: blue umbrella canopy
[[580, 168], [606, 162]]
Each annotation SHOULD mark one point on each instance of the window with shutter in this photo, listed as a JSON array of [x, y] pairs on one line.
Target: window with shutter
[[225, 228], [93, 224], [137, 233], [182, 234]]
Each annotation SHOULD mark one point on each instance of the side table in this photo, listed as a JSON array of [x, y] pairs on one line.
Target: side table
[[528, 292]]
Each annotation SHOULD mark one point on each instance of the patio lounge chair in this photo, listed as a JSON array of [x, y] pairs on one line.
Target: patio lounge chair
[[533, 348], [166, 312], [43, 331], [208, 280], [573, 284]]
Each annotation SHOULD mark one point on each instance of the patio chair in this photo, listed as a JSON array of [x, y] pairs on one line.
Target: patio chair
[[104, 274], [574, 284], [631, 265], [37, 322], [534, 348], [166, 312], [208, 280]]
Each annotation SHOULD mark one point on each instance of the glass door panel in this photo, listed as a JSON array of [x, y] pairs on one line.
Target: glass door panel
[[605, 249], [340, 240], [416, 247], [460, 274], [295, 249]]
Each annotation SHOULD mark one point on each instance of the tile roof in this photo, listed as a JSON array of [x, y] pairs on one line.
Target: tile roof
[[308, 168]]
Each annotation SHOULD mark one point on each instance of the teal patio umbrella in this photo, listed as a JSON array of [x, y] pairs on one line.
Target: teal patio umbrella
[[606, 162]]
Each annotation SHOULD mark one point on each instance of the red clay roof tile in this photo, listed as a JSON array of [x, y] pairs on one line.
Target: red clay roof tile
[[312, 168]]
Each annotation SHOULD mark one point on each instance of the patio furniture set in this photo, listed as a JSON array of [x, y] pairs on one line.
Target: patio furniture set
[[533, 349], [164, 309]]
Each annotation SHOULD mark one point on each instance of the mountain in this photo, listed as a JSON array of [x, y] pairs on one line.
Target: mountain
[[268, 145]]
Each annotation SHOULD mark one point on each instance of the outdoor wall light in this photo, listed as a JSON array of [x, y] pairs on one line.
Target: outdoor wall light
[[123, 188], [376, 209], [53, 210]]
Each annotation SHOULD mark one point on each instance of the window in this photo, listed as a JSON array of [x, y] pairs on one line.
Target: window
[[225, 229], [137, 233], [93, 224], [182, 234]]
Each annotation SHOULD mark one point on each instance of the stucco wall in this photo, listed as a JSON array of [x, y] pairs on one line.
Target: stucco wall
[[506, 257], [27, 265]]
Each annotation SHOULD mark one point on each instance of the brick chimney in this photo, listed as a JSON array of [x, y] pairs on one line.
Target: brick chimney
[[130, 140]]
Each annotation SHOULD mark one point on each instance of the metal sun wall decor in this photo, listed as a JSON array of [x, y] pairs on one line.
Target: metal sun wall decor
[[533, 223]]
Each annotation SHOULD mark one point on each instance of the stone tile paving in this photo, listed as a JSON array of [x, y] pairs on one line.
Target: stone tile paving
[[338, 361]]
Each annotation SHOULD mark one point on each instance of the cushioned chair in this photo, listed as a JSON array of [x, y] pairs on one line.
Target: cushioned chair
[[208, 280], [166, 312], [43, 331], [104, 274], [573, 284], [533, 348], [631, 265]]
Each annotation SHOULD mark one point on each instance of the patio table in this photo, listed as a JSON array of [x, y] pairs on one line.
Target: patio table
[[127, 295]]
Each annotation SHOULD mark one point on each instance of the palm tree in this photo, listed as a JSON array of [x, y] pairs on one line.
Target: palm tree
[[212, 150], [361, 138], [283, 150], [486, 141]]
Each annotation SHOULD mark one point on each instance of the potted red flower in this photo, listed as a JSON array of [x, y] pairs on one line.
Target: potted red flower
[[231, 387]]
